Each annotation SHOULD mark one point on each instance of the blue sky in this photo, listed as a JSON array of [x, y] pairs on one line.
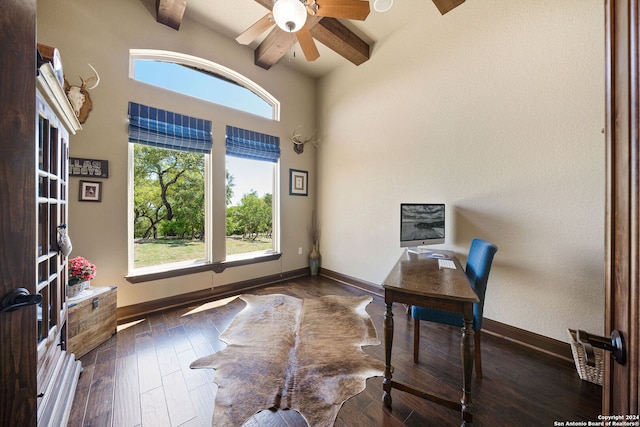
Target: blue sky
[[200, 85], [249, 175]]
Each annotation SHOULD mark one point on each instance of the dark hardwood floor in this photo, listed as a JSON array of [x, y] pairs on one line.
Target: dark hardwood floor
[[141, 376]]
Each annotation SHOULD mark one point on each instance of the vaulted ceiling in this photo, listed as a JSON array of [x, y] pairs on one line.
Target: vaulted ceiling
[[350, 40]]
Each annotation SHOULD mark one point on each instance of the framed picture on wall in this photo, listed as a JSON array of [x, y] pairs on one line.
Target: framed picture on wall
[[90, 191], [298, 182]]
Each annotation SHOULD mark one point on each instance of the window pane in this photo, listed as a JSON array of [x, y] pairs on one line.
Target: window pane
[[169, 217], [249, 205], [201, 84]]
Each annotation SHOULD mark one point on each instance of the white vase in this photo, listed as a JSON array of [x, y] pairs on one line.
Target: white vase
[[85, 284], [74, 290]]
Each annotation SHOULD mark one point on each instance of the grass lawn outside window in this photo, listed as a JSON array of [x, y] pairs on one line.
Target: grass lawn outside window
[[164, 251]]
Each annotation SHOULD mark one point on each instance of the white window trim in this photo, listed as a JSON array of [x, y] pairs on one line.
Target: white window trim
[[275, 220], [136, 275], [193, 61]]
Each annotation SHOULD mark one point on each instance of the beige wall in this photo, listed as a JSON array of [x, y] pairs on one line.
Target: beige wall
[[495, 109], [101, 33]]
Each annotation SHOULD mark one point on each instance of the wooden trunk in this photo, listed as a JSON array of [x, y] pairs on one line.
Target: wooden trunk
[[92, 319]]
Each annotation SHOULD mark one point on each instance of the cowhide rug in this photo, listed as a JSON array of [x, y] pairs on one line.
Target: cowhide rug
[[290, 353]]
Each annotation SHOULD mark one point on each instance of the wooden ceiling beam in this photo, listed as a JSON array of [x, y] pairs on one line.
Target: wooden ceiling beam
[[445, 6], [170, 12], [272, 48], [333, 34]]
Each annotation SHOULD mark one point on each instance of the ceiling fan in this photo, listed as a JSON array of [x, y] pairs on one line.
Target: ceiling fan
[[291, 16], [315, 19]]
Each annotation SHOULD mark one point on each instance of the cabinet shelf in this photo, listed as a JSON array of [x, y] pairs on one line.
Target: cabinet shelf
[[57, 99]]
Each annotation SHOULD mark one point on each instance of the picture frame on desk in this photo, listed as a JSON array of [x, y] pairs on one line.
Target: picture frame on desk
[[90, 191]]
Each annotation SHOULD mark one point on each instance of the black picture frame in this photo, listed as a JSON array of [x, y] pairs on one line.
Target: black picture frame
[[88, 168], [298, 182]]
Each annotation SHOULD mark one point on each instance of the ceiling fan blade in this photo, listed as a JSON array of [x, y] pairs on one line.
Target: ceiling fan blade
[[347, 9], [307, 44], [445, 6], [254, 31]]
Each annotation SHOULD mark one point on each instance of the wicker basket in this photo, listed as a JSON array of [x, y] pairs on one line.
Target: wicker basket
[[592, 374]]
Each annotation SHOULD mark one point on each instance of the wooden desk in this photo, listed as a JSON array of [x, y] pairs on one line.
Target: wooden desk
[[417, 280]]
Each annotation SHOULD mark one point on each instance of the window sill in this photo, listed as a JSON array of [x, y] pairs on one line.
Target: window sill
[[235, 261], [217, 267]]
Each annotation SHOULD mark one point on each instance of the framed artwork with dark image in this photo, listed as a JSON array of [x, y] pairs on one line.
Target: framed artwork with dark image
[[298, 182], [90, 191]]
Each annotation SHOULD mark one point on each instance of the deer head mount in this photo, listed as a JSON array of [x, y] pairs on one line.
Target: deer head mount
[[79, 95], [299, 141]]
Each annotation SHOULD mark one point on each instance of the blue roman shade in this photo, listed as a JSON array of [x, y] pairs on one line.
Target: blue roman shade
[[160, 128], [248, 144]]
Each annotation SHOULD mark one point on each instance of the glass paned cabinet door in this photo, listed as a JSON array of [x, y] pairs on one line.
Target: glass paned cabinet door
[[52, 153], [57, 371]]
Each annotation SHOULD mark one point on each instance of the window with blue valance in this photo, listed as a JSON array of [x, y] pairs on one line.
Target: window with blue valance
[[165, 129], [248, 144]]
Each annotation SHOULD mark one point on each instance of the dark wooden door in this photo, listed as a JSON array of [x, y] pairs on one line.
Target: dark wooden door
[[18, 352], [622, 304]]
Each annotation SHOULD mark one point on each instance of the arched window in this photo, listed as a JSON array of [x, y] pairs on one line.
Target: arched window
[[170, 173], [201, 79]]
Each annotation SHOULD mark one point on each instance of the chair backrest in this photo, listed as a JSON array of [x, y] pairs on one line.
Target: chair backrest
[[478, 267]]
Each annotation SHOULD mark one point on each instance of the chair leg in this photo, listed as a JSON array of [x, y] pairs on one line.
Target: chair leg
[[478, 357], [416, 339]]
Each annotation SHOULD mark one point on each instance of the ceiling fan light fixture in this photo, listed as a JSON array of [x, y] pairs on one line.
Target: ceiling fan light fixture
[[290, 15], [382, 5]]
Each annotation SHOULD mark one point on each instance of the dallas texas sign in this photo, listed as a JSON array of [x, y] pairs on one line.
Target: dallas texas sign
[[88, 167]]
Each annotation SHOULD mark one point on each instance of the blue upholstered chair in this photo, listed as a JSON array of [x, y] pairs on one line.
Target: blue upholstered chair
[[478, 266]]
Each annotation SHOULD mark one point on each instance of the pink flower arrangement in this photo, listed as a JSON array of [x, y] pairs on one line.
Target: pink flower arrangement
[[80, 270]]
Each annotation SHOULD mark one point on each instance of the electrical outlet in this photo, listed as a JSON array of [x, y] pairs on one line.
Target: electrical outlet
[[300, 250]]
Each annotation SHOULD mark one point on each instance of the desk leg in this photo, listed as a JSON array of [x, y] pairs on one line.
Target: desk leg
[[388, 342], [467, 349]]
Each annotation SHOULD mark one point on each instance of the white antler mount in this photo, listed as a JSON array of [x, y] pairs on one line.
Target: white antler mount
[[79, 95], [299, 141]]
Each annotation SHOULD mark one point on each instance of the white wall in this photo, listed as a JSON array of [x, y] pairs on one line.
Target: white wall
[[101, 33], [497, 110]]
